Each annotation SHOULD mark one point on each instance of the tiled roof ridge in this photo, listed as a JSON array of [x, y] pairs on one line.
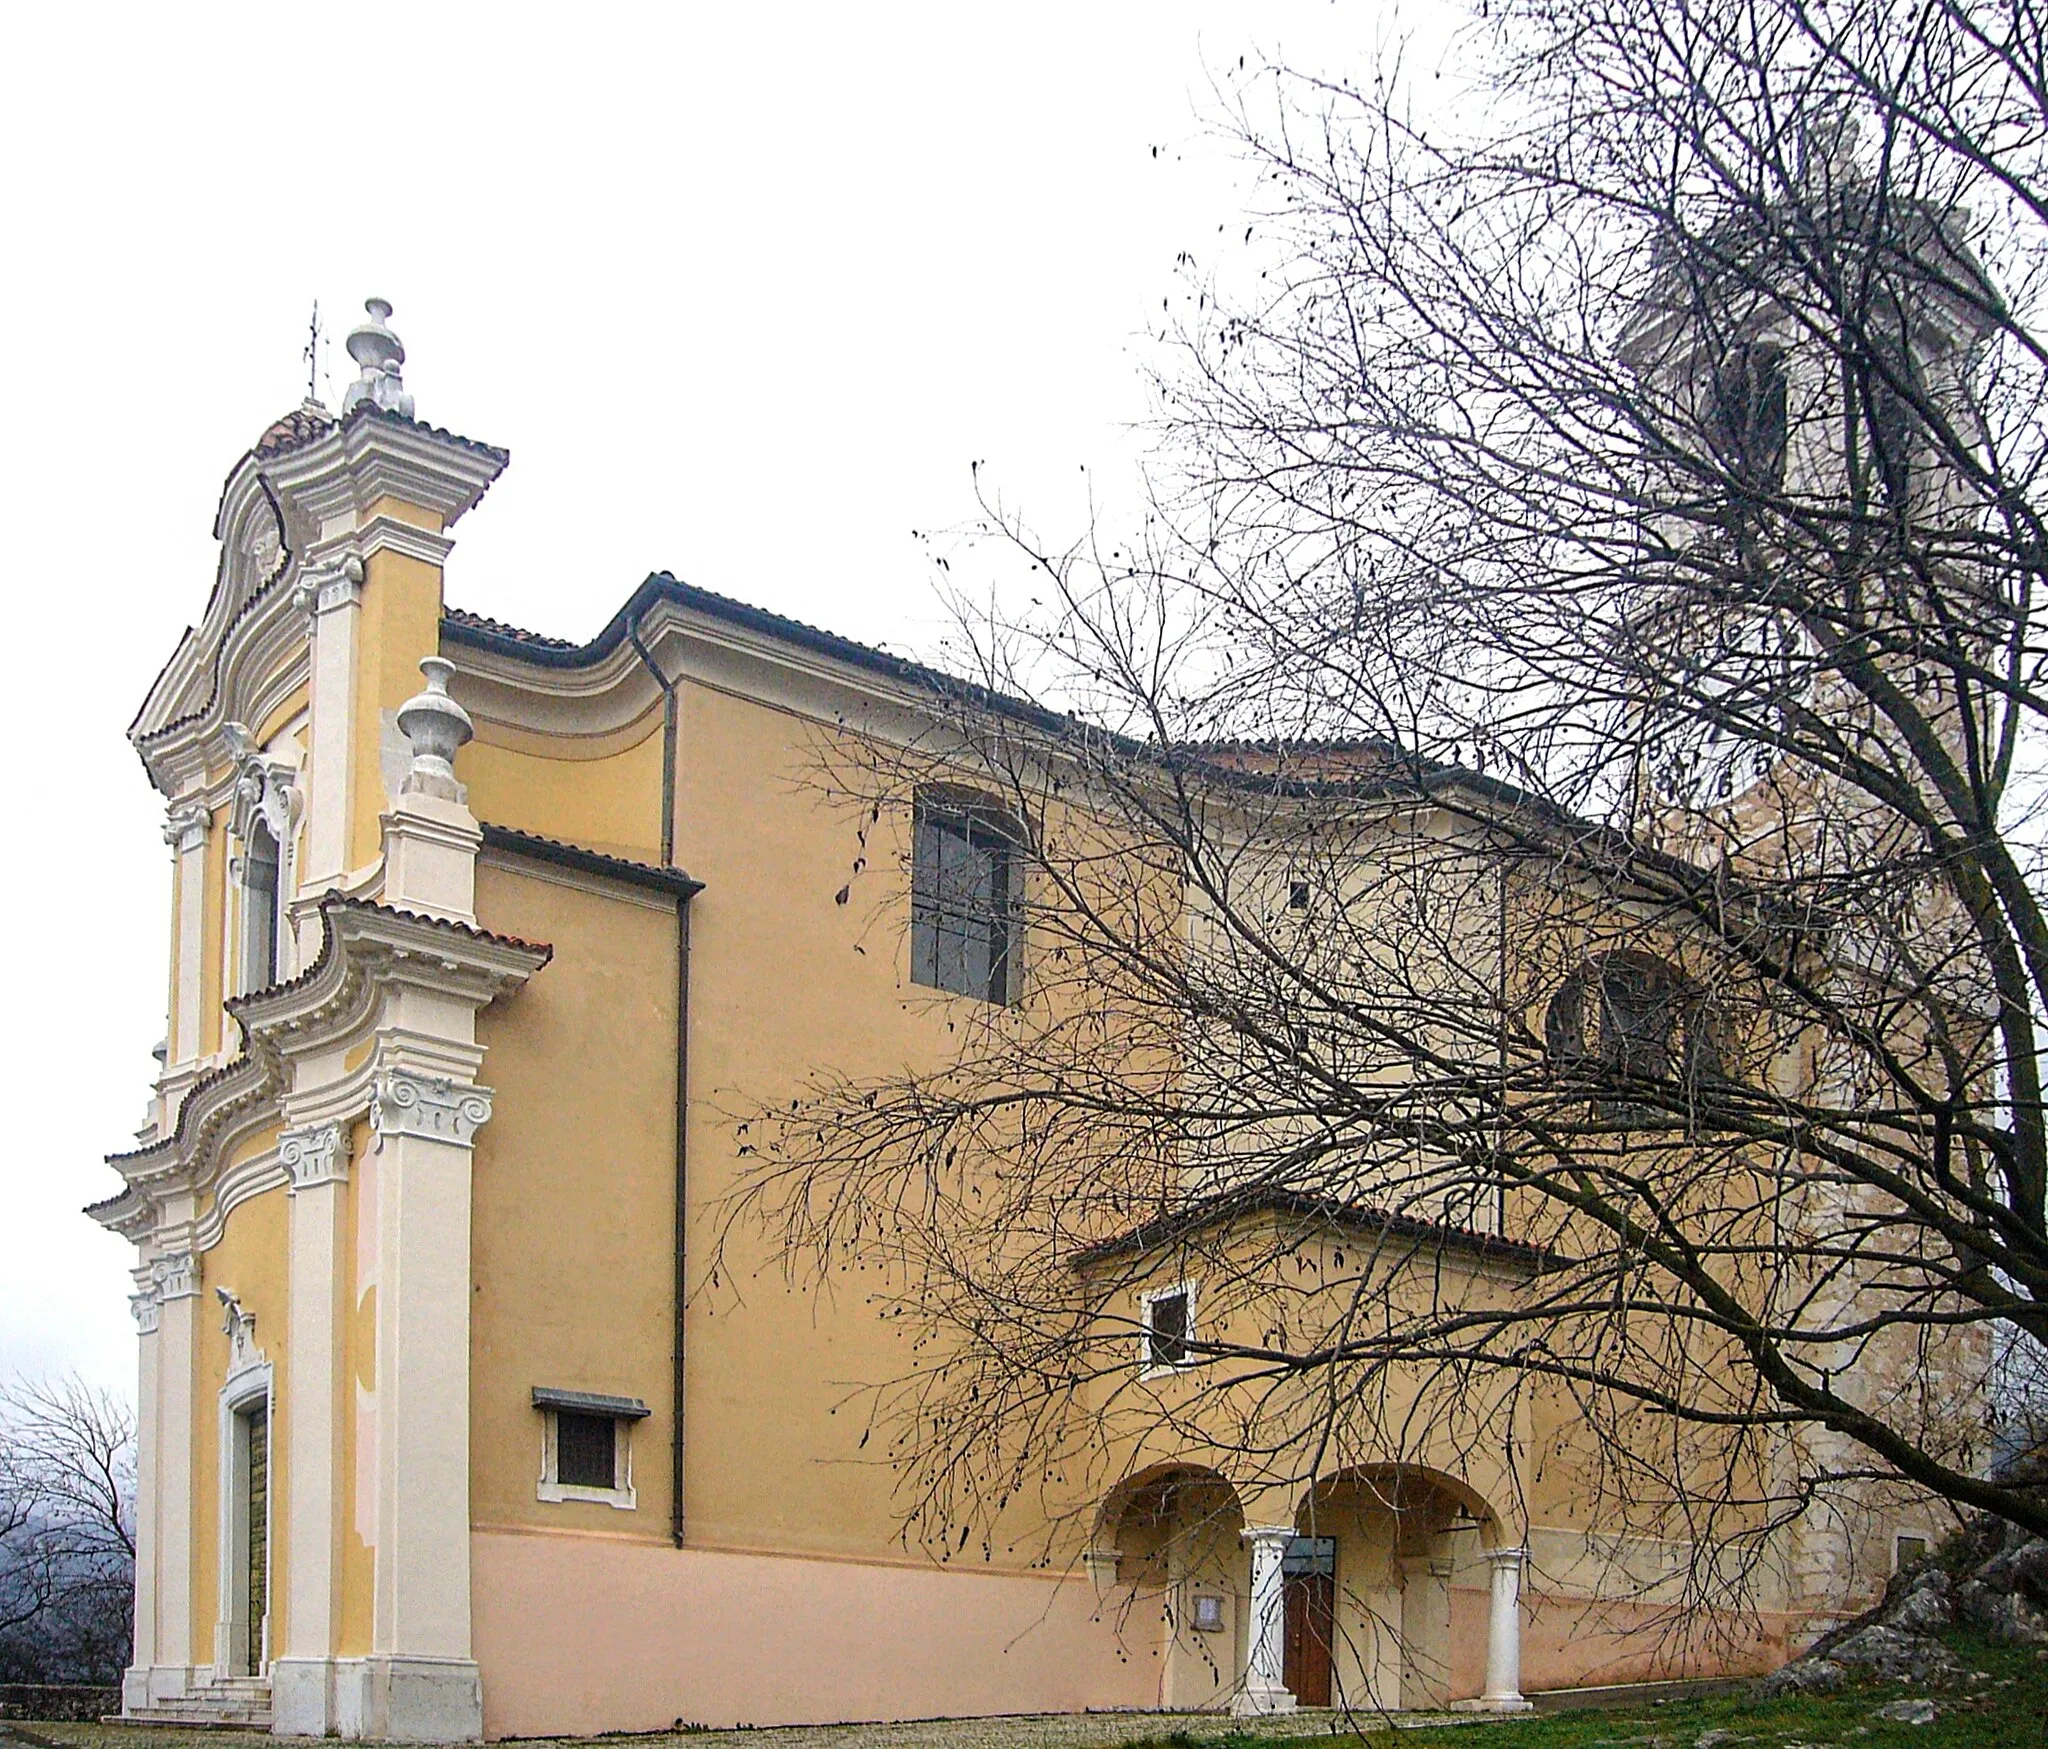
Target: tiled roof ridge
[[483, 622], [1230, 1205], [306, 423], [370, 410], [518, 841]]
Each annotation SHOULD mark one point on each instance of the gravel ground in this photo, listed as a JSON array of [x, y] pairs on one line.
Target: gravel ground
[[1031, 1731]]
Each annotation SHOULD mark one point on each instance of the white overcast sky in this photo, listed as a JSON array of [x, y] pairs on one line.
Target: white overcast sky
[[744, 289]]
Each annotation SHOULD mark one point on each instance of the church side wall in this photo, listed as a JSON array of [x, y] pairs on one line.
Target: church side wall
[[574, 1194]]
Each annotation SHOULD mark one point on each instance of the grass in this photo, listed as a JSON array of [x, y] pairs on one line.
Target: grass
[[2006, 1709]]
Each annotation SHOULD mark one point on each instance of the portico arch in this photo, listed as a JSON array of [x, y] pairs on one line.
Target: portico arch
[[1168, 1554], [1406, 1603]]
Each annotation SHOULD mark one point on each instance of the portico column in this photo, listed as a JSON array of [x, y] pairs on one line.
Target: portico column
[[1264, 1689], [1504, 1634]]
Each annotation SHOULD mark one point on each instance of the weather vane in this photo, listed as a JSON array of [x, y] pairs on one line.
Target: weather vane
[[311, 354]]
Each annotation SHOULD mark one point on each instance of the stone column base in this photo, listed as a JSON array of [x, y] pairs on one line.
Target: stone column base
[[1259, 1702], [389, 1697], [302, 1697], [147, 1685], [1503, 1703]]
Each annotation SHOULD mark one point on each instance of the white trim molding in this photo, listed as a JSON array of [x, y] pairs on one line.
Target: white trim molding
[[251, 1382]]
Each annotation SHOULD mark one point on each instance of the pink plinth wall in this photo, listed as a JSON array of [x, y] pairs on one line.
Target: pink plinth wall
[[578, 1635]]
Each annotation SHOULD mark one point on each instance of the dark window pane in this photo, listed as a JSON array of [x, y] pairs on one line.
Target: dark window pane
[[1637, 1011], [960, 910], [1166, 1329], [1750, 415], [259, 910], [586, 1450]]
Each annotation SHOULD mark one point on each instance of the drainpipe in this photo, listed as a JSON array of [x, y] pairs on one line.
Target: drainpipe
[[682, 1078]]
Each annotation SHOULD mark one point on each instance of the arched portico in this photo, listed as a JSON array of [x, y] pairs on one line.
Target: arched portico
[[1393, 1588], [1168, 1555], [1391, 1596]]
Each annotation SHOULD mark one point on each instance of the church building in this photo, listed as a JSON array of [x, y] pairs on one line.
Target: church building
[[477, 935]]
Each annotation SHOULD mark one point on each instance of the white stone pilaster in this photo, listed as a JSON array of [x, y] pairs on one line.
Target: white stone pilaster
[[176, 1278], [148, 1310], [421, 1680], [185, 830], [1264, 1689], [335, 603], [302, 1676]]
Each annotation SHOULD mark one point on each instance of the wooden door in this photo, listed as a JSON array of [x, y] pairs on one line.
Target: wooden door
[[1311, 1600], [256, 1506]]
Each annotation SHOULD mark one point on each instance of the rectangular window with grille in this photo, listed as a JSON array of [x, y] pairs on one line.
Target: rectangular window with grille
[[587, 1446], [586, 1451]]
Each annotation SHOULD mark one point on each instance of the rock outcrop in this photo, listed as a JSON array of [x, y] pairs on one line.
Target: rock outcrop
[[1990, 1576]]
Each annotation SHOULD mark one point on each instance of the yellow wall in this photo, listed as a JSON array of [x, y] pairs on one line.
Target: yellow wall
[[573, 1197], [611, 803], [574, 1171], [401, 622]]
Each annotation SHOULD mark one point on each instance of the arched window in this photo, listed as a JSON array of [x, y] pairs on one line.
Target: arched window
[[259, 908], [1635, 1016], [963, 878]]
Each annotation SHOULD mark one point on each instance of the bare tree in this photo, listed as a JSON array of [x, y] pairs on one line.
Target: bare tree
[[1526, 871], [67, 1536]]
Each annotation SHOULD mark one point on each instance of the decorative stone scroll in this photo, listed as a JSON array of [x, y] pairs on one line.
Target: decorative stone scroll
[[318, 1155], [433, 1106], [264, 789], [148, 1306]]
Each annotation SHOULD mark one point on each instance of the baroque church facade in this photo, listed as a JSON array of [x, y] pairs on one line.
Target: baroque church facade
[[438, 1439]]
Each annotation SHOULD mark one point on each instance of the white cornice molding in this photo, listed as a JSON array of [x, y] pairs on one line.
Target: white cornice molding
[[280, 516], [367, 953], [387, 534], [368, 458]]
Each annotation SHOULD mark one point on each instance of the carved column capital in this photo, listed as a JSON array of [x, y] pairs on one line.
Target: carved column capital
[[317, 1155], [327, 589], [185, 826], [148, 1306], [176, 1275], [403, 1103]]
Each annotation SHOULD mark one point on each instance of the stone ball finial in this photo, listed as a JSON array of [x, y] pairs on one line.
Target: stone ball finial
[[436, 726], [379, 354]]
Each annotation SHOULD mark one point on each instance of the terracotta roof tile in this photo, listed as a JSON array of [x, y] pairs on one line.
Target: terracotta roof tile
[[1261, 1199], [306, 423]]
